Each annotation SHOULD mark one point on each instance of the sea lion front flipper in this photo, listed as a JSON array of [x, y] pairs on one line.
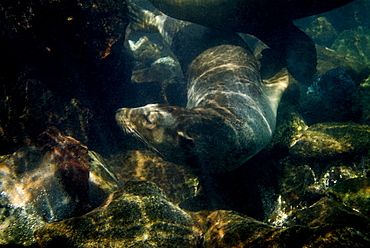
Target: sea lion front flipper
[[291, 45], [301, 55]]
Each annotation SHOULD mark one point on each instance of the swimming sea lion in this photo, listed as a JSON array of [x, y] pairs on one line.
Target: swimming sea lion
[[230, 113], [269, 20], [228, 119]]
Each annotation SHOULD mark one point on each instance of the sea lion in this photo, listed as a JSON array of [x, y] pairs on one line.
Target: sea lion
[[228, 119], [230, 113], [269, 20]]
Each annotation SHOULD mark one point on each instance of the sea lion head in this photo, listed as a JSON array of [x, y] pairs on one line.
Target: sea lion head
[[200, 138], [157, 126]]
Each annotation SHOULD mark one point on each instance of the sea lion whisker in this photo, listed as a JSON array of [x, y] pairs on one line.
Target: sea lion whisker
[[125, 126], [140, 137], [130, 130]]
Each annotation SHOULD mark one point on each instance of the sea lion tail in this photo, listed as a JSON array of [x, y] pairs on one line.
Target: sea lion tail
[[275, 86]]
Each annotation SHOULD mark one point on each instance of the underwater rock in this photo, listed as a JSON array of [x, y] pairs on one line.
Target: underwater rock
[[328, 59], [179, 182], [327, 154], [137, 216], [231, 229], [163, 69], [295, 191], [289, 127], [350, 16], [303, 182], [332, 97], [354, 193], [316, 144], [72, 162], [329, 140], [331, 224], [157, 75], [49, 180], [153, 62], [354, 44], [324, 224], [321, 32], [63, 64], [365, 101], [145, 52]]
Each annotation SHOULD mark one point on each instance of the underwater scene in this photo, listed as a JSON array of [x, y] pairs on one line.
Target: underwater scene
[[185, 123]]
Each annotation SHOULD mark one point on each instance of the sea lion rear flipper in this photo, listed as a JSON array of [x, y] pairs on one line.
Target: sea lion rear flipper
[[141, 19], [275, 86]]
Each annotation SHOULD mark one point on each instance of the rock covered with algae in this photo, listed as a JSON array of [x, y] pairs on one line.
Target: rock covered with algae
[[139, 215], [365, 100], [354, 43], [328, 59], [354, 192], [327, 223], [321, 31], [332, 97], [152, 64], [179, 183], [328, 140], [327, 160], [52, 179]]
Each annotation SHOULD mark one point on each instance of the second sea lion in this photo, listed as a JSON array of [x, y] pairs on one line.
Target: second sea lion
[[269, 20]]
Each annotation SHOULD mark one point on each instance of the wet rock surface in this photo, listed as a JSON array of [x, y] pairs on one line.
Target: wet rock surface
[[331, 97], [354, 192], [328, 140], [138, 216], [354, 44], [328, 59], [179, 183], [321, 31], [49, 180], [325, 224]]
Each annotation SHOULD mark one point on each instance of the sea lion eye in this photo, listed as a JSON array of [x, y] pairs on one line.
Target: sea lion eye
[[148, 121]]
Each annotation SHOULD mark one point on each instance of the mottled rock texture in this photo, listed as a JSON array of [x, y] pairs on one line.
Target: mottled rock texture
[[53, 178], [138, 216]]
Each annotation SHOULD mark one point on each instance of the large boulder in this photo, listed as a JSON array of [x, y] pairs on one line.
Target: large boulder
[[51, 179], [140, 215]]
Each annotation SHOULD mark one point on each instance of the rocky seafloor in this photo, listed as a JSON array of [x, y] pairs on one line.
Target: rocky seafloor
[[70, 178]]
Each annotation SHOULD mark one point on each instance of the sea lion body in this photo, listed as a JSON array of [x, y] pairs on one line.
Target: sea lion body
[[186, 39], [247, 16], [269, 20], [228, 119], [230, 113]]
